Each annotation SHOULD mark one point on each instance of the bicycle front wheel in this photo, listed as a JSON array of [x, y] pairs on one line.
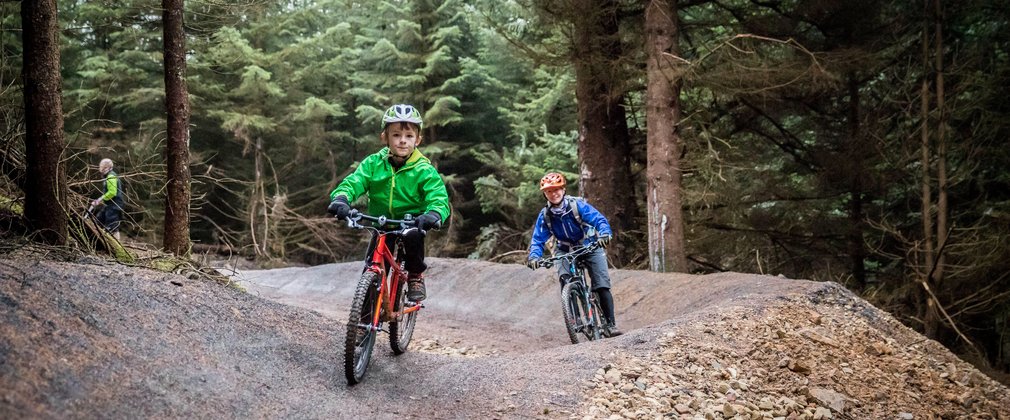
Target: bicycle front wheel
[[576, 312], [360, 331], [402, 328]]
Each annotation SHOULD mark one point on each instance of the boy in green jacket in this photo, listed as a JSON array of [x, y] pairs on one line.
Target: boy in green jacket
[[399, 180]]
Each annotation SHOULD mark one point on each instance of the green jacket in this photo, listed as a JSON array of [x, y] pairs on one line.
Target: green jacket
[[415, 188]]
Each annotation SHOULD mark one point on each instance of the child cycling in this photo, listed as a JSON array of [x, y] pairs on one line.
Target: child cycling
[[399, 180], [566, 218]]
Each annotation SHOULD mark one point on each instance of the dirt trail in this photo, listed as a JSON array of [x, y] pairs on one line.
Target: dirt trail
[[92, 339], [508, 308]]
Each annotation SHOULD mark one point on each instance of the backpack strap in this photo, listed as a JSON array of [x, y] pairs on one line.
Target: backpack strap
[[547, 218], [572, 202], [575, 213], [575, 210]]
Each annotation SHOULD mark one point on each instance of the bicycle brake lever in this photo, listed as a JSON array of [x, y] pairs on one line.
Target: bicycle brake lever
[[353, 217]]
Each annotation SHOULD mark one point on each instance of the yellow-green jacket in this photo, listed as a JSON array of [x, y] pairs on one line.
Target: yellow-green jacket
[[416, 188], [111, 188]]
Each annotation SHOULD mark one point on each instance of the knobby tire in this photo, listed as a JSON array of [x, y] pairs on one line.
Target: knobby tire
[[402, 329], [360, 338], [573, 309]]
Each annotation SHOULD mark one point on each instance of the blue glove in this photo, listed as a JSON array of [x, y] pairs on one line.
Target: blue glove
[[603, 241], [339, 207], [429, 220]]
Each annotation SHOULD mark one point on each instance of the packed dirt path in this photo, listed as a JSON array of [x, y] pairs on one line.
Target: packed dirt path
[[89, 338], [506, 308]]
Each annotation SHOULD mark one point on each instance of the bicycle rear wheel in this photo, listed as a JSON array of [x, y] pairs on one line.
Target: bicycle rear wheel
[[576, 312], [402, 329], [360, 331]]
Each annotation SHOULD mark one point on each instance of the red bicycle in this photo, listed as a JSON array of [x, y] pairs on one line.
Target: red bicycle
[[381, 295]]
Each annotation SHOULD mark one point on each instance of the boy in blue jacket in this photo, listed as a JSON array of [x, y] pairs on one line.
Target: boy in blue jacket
[[565, 218]]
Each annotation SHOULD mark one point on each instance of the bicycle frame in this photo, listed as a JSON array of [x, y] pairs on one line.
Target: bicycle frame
[[383, 263], [379, 296]]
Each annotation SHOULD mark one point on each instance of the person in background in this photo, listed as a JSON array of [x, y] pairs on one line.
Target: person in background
[[110, 204]]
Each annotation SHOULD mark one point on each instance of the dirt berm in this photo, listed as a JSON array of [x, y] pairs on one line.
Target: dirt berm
[[89, 339]]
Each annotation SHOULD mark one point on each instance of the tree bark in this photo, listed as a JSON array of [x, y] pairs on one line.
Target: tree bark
[[856, 246], [46, 183], [664, 189], [604, 144], [932, 319], [177, 152], [928, 311], [926, 195], [941, 149]]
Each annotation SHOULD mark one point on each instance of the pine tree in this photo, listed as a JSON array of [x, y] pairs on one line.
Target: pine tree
[[177, 151], [46, 182]]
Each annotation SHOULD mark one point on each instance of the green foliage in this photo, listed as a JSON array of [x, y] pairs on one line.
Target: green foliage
[[512, 191], [487, 242]]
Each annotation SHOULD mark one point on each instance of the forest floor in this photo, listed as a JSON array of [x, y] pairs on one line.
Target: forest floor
[[83, 337]]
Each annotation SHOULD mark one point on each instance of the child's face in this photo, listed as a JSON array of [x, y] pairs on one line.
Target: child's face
[[401, 139], [554, 195]]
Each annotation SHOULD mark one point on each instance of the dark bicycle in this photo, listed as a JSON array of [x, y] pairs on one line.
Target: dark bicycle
[[579, 304], [381, 295]]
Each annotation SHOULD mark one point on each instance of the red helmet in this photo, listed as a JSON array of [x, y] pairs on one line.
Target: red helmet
[[552, 180]]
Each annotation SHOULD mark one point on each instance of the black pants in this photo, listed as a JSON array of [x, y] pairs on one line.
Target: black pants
[[412, 251], [110, 216]]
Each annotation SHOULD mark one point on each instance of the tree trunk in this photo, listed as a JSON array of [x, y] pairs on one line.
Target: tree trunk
[[258, 199], [926, 197], [46, 183], [933, 320], [941, 151], [664, 191], [927, 309], [177, 106], [604, 149], [856, 246]]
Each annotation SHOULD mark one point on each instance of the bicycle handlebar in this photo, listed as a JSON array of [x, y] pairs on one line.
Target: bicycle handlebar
[[354, 218], [571, 255]]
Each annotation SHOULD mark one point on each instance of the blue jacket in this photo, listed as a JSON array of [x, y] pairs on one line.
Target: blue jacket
[[566, 228]]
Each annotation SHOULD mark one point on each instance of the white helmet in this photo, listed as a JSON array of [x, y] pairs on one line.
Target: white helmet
[[401, 113]]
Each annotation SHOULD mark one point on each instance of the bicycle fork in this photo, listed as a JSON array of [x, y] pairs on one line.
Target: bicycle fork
[[587, 297], [377, 313]]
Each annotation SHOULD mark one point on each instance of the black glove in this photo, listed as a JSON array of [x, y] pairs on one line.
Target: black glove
[[429, 220], [533, 263], [603, 241], [339, 207]]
